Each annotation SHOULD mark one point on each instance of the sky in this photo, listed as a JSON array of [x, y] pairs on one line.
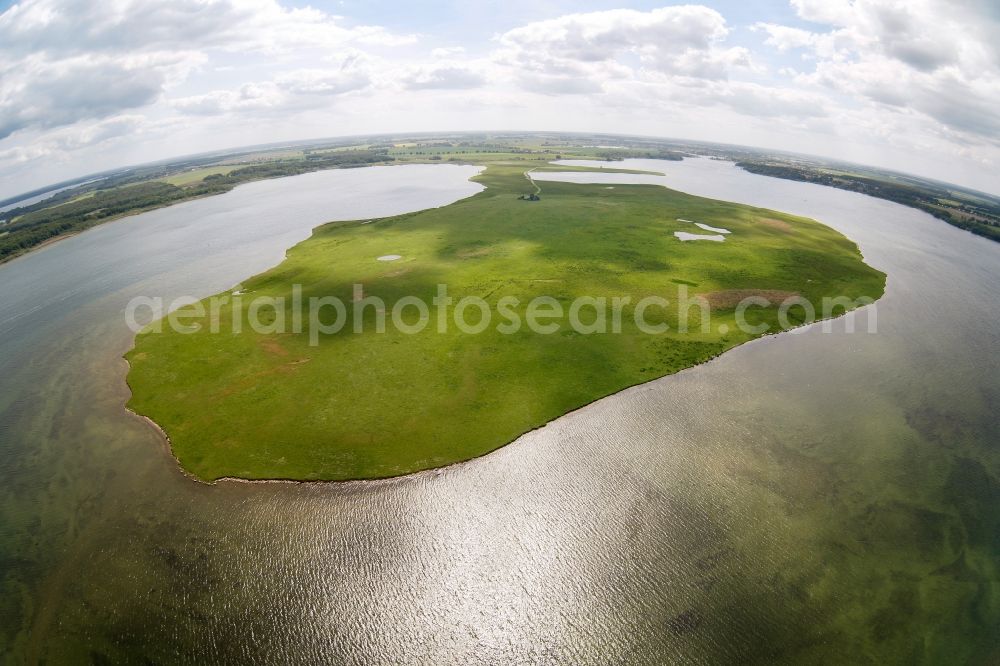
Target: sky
[[912, 85]]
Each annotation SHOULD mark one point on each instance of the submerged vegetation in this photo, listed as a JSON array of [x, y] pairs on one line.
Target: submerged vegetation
[[355, 405]]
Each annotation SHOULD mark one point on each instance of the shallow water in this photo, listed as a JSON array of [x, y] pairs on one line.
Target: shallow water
[[812, 496]]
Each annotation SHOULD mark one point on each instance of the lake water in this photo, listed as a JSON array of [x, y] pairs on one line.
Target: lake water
[[40, 197], [811, 496]]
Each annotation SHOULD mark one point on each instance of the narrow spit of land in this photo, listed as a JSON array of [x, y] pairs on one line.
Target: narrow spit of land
[[372, 405]]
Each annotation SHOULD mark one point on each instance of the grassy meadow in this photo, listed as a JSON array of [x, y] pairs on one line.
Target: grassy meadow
[[371, 405], [192, 176]]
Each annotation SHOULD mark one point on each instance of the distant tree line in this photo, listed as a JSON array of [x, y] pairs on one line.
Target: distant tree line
[[983, 220], [616, 155]]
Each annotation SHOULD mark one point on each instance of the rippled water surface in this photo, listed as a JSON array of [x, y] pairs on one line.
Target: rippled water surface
[[812, 496]]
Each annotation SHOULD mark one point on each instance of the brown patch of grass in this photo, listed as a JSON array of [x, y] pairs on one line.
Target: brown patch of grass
[[472, 252], [730, 298], [253, 380], [272, 346], [780, 225]]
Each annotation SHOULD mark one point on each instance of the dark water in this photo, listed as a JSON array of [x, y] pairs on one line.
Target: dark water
[[811, 497]]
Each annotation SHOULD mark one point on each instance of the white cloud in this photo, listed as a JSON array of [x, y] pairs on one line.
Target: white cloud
[[447, 52], [248, 97], [578, 53], [831, 12], [60, 142], [919, 56], [783, 37], [762, 102], [64, 61], [342, 73], [45, 94], [913, 82], [74, 26], [290, 91], [455, 77]]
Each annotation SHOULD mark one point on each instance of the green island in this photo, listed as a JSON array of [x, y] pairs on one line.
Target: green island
[[238, 403]]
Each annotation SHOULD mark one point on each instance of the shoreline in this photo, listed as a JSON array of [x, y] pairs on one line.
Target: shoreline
[[433, 471], [114, 218], [436, 471]]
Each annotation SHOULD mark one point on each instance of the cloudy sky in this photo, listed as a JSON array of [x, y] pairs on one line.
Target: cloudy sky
[[907, 84]]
